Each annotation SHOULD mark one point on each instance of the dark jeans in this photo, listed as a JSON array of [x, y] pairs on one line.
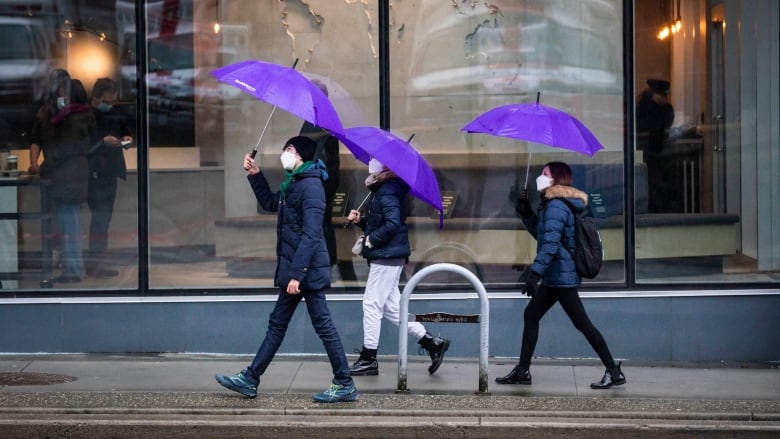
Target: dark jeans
[[100, 198], [320, 320], [570, 301]]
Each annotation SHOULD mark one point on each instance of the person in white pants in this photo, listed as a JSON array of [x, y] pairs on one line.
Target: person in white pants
[[386, 248]]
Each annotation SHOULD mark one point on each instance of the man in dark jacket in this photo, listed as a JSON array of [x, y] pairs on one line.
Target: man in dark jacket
[[106, 165], [654, 117], [302, 271]]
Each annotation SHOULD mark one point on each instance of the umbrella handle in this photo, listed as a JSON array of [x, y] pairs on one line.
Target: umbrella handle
[[349, 223]]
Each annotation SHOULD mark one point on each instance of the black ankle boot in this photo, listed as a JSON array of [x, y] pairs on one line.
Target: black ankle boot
[[612, 377], [366, 364], [518, 375], [436, 347]]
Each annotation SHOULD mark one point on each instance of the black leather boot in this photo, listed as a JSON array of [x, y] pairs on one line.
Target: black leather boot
[[436, 347], [612, 377], [366, 364], [518, 375]]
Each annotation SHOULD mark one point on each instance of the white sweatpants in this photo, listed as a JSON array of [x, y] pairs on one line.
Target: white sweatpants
[[382, 298]]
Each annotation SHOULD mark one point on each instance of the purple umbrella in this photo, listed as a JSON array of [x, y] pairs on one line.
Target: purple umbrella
[[398, 156], [282, 87], [537, 123]]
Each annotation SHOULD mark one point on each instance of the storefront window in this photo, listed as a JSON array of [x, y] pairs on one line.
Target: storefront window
[[705, 144], [68, 201], [206, 228], [453, 61], [708, 142]]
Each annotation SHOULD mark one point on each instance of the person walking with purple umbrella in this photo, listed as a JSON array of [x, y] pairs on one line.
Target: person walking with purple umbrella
[[302, 271], [386, 248], [551, 225]]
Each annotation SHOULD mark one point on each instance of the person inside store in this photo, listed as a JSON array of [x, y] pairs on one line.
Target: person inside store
[[553, 275], [106, 165], [386, 248], [654, 118], [302, 270], [63, 130]]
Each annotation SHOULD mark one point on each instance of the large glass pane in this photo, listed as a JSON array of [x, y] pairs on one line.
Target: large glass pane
[[707, 90], [451, 61], [206, 229], [69, 209]]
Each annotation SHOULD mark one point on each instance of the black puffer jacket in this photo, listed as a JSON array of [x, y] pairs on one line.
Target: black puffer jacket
[[385, 221], [300, 246]]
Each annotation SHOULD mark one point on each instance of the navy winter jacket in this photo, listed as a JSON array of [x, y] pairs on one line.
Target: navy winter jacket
[[553, 261], [300, 244], [385, 221]]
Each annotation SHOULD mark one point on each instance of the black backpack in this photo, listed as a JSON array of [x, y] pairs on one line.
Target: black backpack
[[588, 254]]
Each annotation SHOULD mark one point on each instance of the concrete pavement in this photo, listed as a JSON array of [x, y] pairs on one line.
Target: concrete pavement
[[175, 394]]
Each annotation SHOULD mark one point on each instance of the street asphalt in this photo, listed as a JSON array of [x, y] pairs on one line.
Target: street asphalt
[[175, 395]]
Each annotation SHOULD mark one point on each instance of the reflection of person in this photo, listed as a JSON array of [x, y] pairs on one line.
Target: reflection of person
[[654, 117], [106, 164], [328, 152], [555, 267], [302, 271], [64, 137], [386, 247]]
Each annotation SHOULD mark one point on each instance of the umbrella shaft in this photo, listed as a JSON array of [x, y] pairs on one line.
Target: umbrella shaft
[[262, 133]]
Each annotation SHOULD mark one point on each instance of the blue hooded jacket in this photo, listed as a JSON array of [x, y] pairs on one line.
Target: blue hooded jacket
[[553, 261], [300, 244]]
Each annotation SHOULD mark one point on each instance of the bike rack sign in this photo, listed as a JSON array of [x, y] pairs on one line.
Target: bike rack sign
[[445, 317]]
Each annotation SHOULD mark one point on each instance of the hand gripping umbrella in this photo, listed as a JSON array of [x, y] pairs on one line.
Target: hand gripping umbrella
[[282, 87], [536, 123], [400, 157]]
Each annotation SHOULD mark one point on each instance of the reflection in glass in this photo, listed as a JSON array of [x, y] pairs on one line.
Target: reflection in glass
[[453, 62]]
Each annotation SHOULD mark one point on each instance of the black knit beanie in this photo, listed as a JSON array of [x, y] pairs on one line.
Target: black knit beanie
[[305, 147]]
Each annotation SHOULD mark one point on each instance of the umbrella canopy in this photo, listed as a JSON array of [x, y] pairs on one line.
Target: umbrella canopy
[[398, 156], [282, 87], [536, 123]]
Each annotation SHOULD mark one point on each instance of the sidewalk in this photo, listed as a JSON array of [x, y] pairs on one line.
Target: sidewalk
[[147, 395]]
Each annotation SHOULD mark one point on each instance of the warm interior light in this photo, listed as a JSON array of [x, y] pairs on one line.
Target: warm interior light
[[675, 26], [216, 27]]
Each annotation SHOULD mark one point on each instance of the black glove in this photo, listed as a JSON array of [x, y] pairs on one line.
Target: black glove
[[531, 284], [523, 206]]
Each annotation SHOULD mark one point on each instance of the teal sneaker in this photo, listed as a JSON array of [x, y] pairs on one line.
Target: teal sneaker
[[337, 393], [238, 383]]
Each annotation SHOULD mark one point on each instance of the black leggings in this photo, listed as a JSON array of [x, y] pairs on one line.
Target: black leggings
[[544, 299]]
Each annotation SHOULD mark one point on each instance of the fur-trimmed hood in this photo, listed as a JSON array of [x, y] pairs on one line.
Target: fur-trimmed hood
[[561, 191]]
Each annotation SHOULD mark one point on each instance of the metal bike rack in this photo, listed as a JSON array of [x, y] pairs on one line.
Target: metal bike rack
[[484, 321]]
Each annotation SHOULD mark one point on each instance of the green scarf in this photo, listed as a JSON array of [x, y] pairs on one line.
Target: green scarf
[[291, 174]]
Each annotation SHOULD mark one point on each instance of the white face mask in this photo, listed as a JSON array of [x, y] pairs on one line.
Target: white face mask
[[543, 182], [375, 166], [60, 102], [288, 160]]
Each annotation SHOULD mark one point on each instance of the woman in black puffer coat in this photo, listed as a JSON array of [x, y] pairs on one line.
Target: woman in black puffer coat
[[551, 225], [386, 248]]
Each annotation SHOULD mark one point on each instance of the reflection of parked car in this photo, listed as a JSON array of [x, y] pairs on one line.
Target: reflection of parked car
[[24, 65]]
